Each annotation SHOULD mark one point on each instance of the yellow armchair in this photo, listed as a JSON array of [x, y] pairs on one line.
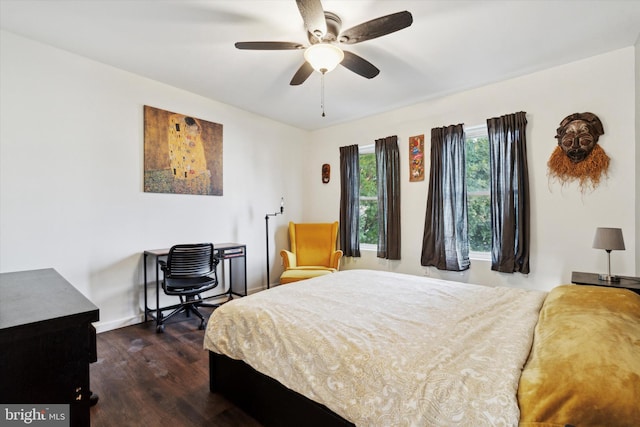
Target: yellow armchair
[[313, 251]]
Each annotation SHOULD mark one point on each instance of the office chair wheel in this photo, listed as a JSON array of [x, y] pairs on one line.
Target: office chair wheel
[[201, 327], [159, 329]]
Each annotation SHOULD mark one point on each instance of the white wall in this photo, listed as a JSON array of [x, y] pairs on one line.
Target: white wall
[[71, 177], [563, 219], [637, 139]]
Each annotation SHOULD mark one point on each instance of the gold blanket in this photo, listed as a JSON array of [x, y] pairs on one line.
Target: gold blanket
[[584, 367]]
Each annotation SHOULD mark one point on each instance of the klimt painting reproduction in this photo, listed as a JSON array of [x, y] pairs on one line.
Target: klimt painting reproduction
[[182, 154]]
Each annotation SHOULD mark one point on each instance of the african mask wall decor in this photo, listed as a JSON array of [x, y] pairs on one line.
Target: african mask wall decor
[[326, 173], [578, 155]]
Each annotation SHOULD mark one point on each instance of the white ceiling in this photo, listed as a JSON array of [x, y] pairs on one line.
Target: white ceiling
[[451, 46]]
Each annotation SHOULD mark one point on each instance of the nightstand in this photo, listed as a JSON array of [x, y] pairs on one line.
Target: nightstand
[[631, 283]]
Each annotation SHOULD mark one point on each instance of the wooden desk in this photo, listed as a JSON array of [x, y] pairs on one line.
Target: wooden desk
[[631, 283], [46, 342], [233, 253]]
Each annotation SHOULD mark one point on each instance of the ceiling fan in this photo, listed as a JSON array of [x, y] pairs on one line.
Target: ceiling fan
[[325, 35]]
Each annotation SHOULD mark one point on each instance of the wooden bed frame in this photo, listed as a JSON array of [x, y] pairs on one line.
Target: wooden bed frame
[[264, 398]]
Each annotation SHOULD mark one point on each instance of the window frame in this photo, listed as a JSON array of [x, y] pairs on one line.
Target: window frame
[[471, 133], [367, 149]]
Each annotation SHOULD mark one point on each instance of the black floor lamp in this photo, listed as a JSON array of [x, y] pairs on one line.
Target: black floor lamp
[[266, 223]]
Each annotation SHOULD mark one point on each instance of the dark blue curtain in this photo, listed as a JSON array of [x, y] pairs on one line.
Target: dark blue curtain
[[445, 243], [350, 200], [388, 179], [510, 217]]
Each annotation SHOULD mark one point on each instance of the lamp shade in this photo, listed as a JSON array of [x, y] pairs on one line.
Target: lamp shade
[[323, 57], [609, 239]]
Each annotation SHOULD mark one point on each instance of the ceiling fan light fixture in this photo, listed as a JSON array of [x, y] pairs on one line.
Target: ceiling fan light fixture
[[323, 57]]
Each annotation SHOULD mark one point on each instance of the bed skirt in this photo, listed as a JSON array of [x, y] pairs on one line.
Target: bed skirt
[[264, 398]]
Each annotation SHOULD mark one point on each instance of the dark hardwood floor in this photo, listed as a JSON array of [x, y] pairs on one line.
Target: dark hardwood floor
[[148, 379]]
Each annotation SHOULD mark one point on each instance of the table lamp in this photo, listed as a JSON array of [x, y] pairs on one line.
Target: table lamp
[[609, 239]]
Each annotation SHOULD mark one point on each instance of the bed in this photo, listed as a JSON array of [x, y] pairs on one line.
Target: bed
[[373, 348]]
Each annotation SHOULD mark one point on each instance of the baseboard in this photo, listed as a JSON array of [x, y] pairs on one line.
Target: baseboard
[[134, 320], [119, 323]]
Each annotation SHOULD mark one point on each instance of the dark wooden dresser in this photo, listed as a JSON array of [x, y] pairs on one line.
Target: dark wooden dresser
[[46, 342]]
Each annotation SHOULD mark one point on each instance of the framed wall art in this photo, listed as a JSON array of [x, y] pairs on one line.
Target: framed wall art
[[182, 154], [416, 158]]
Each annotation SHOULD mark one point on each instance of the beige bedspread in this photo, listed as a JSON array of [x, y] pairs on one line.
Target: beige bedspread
[[387, 349]]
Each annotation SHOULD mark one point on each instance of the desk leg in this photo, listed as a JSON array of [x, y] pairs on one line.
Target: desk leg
[[158, 311], [224, 271], [230, 296], [146, 308]]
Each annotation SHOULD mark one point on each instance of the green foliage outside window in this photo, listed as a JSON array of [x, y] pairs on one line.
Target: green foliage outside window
[[368, 199], [479, 225], [478, 196]]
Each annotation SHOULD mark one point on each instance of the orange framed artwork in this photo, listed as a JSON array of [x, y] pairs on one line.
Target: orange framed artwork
[[416, 158], [182, 154]]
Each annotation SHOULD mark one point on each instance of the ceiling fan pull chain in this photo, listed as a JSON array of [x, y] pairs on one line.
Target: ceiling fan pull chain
[[322, 93]]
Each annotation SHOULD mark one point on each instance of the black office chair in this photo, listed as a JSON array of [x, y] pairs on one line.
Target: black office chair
[[190, 270]]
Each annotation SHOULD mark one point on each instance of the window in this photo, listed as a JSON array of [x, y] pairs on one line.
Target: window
[[368, 230], [478, 199], [478, 189]]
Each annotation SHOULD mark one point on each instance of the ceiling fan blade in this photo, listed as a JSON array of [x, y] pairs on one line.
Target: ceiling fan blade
[[313, 17], [269, 45], [302, 74], [359, 65], [376, 28]]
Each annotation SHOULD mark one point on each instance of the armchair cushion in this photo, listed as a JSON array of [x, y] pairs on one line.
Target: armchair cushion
[[294, 274]]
